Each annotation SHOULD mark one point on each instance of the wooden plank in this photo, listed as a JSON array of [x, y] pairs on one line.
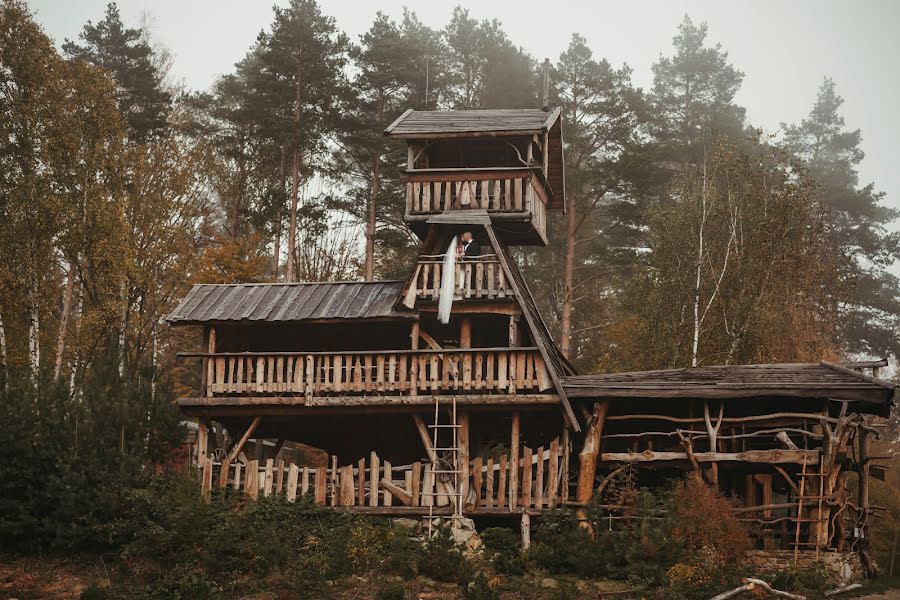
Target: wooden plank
[[553, 487], [390, 489], [564, 475], [361, 482], [415, 483], [268, 480], [279, 476], [251, 484], [304, 481], [292, 479], [777, 456], [462, 442], [374, 471], [476, 480], [388, 476], [224, 472], [501, 485], [489, 484], [428, 488], [346, 486], [333, 488], [539, 479], [321, 475], [236, 485], [526, 476], [514, 462]]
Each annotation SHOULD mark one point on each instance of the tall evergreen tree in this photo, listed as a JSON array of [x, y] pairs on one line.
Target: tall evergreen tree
[[693, 95], [129, 59], [871, 323], [384, 85], [483, 68], [604, 118]]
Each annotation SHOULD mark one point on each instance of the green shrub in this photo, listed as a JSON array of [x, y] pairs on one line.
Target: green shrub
[[562, 546], [811, 581], [501, 546], [391, 591], [480, 589], [442, 560]]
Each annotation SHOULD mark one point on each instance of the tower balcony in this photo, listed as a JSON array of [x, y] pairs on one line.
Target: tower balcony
[[476, 278], [514, 198]]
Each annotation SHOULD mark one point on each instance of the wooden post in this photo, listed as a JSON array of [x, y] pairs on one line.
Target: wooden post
[[465, 341], [210, 362], [232, 456], [374, 472], [587, 458], [514, 462], [526, 530], [462, 443], [202, 442]]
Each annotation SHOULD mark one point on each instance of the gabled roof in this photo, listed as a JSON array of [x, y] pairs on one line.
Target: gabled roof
[[446, 124], [286, 302], [795, 380], [433, 124]]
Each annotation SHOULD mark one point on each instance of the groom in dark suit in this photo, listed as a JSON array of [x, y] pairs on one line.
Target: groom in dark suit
[[471, 249]]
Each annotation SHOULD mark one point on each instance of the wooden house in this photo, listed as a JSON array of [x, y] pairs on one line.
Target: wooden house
[[482, 415]]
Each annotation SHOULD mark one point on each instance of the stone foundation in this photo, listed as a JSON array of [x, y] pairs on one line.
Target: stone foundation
[[842, 566]]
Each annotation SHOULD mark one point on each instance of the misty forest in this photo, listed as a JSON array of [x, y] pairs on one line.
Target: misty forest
[[690, 239]]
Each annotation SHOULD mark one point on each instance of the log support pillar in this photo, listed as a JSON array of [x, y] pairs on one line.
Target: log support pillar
[[587, 458]]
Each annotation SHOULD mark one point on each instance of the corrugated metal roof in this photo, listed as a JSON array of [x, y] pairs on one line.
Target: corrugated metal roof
[[418, 122], [278, 302]]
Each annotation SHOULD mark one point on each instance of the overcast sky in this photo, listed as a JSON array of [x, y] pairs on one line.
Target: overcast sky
[[784, 48]]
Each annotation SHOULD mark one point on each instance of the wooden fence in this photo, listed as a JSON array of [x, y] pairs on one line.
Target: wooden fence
[[479, 278], [487, 370], [512, 191], [540, 480]]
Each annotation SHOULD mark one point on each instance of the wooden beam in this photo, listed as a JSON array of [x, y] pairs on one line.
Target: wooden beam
[[462, 442], [232, 456], [749, 456], [426, 437], [514, 461], [396, 491]]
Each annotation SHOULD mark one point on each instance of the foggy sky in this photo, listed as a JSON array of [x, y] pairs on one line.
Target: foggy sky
[[784, 48]]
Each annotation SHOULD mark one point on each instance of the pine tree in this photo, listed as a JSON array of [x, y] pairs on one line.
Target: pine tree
[[604, 117], [859, 224], [129, 59], [693, 95]]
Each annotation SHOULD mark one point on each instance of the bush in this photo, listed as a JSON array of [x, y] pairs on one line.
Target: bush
[[562, 546], [480, 589], [501, 546], [391, 591], [704, 519], [442, 560]]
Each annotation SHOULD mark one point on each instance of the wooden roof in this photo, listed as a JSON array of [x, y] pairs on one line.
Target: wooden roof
[[443, 124], [286, 302], [798, 380]]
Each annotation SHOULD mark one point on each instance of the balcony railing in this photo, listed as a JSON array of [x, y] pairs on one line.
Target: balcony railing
[[476, 277], [507, 191], [390, 372]]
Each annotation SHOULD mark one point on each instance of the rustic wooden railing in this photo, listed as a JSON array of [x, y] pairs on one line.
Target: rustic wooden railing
[[400, 372], [477, 277], [540, 479], [512, 190]]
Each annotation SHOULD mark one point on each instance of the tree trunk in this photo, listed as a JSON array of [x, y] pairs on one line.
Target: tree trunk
[[371, 217], [64, 321], [295, 175], [276, 253], [3, 354], [565, 338], [587, 458], [34, 335], [372, 208]]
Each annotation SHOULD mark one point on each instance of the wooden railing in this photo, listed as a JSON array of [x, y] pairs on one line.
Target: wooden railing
[[394, 372], [515, 190], [538, 480], [478, 277]]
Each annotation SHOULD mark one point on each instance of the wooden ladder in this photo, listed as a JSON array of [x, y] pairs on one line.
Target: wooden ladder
[[437, 469], [802, 497]]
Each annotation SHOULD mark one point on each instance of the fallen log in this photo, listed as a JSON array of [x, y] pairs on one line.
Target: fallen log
[[842, 589], [750, 583]]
